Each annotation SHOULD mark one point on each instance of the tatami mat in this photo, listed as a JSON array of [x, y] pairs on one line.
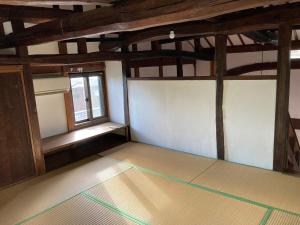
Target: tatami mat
[[160, 201], [78, 211], [28, 198], [268, 187], [282, 218], [173, 163]]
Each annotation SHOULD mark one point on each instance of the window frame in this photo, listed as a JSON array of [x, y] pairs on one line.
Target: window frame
[[90, 121]]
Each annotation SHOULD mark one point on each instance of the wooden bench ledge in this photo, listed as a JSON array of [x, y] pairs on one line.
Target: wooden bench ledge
[[58, 142]]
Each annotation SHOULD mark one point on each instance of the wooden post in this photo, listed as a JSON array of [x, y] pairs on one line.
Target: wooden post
[[34, 128], [136, 69], [282, 98], [155, 46], [178, 46], [126, 72], [220, 62]]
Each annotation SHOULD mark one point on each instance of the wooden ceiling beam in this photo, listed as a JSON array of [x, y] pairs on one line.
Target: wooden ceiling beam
[[55, 2], [31, 14], [255, 67], [71, 59], [267, 18], [135, 15]]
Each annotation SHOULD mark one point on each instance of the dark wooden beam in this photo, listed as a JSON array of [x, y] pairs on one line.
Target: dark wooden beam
[[178, 46], [241, 39], [156, 46], [260, 19], [255, 67], [81, 42], [264, 36], [220, 67], [136, 69], [71, 59], [31, 14], [282, 98], [160, 62], [55, 2], [296, 123], [137, 15], [126, 73], [33, 123]]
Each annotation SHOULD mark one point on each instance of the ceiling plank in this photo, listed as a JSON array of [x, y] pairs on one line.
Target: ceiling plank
[[134, 15]]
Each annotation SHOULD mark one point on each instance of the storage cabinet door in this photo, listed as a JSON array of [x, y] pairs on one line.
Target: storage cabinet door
[[16, 158]]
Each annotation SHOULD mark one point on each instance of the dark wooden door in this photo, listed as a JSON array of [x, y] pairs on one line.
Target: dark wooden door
[[16, 158]]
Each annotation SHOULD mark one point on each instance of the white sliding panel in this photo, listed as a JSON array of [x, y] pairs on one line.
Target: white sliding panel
[[176, 114], [249, 118]]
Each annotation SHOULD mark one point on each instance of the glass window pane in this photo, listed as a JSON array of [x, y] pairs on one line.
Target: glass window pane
[[79, 99], [96, 96]]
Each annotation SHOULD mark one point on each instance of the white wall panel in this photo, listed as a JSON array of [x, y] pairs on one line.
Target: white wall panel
[[115, 91], [52, 114], [249, 117], [174, 114]]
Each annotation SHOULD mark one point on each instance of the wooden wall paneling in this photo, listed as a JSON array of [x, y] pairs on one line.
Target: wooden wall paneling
[[220, 63], [22, 51], [126, 74], [282, 98], [16, 158]]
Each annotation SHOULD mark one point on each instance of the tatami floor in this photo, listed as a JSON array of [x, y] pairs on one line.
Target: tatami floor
[[142, 184]]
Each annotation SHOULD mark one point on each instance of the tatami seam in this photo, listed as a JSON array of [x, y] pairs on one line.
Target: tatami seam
[[205, 170]]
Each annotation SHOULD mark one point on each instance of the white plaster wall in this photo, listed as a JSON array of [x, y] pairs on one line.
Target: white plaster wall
[[249, 117], [52, 114], [115, 91], [174, 114]]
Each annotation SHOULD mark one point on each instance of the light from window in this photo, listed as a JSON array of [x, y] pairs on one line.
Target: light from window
[[295, 54], [88, 99]]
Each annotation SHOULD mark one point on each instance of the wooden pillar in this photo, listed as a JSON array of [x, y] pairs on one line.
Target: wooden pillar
[[282, 98], [178, 46], [34, 128], [220, 71], [198, 47], [155, 46], [136, 69], [126, 73]]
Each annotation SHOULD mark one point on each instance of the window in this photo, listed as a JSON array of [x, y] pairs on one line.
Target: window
[[88, 97]]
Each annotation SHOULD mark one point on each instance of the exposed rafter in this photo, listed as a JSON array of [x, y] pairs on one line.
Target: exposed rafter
[[264, 36], [136, 15]]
